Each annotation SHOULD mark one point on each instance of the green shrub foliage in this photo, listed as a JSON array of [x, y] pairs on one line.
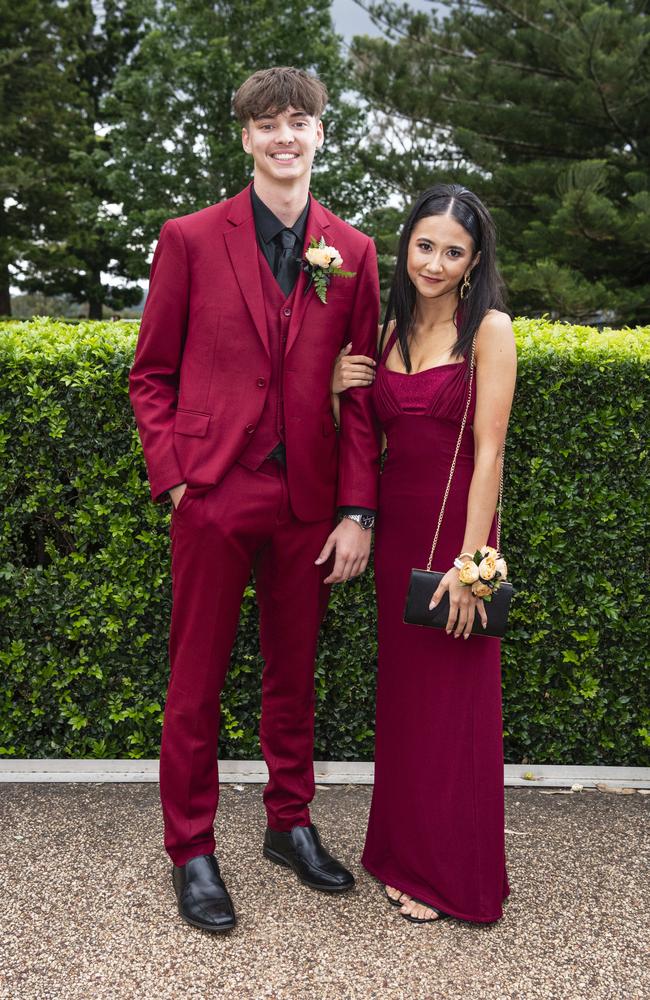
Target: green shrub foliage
[[84, 562]]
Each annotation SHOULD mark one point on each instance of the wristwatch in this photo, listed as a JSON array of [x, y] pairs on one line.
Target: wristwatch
[[365, 521]]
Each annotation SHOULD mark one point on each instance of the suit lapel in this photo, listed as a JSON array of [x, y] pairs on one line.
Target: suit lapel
[[317, 224], [241, 243]]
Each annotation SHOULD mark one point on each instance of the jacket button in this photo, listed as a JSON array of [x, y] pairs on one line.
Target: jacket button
[[287, 311], [261, 382], [250, 428]]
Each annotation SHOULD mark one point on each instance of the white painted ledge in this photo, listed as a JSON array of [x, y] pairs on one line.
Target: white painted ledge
[[326, 772]]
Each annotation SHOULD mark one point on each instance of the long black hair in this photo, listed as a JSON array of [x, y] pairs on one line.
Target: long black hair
[[486, 287]]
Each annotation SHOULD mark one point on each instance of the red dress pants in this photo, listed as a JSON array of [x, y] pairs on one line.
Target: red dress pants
[[244, 523]]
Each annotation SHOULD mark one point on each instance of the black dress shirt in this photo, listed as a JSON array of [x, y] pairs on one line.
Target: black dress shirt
[[268, 227]]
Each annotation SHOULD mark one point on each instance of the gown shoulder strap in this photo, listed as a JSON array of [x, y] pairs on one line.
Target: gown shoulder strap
[[390, 341]]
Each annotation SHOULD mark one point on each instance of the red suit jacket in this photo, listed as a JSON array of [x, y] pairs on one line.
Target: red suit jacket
[[202, 360]]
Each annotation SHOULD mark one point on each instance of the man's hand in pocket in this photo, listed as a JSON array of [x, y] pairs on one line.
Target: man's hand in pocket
[[176, 493]]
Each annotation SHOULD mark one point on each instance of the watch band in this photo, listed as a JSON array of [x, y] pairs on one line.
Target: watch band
[[365, 521]]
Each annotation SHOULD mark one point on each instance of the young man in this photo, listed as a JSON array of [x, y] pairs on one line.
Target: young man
[[231, 392]]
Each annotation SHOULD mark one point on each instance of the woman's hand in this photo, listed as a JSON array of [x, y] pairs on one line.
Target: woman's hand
[[462, 605], [352, 370]]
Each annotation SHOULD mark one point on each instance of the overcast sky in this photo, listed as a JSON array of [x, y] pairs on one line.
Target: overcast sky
[[349, 19]]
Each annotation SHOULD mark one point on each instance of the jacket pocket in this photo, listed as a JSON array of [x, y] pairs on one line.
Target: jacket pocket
[[192, 423], [182, 501]]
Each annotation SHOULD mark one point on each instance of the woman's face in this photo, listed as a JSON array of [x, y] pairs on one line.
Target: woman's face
[[440, 253]]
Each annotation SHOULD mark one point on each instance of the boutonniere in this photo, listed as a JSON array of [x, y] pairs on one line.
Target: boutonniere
[[322, 263]]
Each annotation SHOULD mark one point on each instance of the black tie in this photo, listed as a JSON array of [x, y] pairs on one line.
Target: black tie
[[286, 269]]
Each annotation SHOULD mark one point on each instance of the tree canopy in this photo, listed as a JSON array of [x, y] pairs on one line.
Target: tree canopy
[[177, 146], [116, 116], [36, 96], [543, 110], [131, 102]]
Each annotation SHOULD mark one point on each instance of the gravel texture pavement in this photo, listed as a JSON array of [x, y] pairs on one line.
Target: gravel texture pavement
[[89, 911]]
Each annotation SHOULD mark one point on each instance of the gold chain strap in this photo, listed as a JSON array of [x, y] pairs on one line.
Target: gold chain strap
[[453, 464], [500, 502]]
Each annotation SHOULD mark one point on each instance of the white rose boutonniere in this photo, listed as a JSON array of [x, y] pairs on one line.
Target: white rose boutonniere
[[322, 263]]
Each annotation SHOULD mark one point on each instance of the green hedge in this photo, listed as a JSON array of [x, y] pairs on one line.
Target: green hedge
[[84, 589]]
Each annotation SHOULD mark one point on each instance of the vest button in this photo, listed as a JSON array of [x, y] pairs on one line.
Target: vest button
[[287, 311], [250, 428], [261, 382]]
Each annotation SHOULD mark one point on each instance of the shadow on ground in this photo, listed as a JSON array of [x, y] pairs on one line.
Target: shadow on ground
[[89, 912]]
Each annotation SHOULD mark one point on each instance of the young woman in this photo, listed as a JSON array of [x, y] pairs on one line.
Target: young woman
[[436, 833]]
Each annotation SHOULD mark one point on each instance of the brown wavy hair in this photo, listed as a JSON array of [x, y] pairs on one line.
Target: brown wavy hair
[[271, 91]]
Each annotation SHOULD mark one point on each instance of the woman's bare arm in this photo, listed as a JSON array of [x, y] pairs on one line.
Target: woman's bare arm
[[496, 372], [495, 375]]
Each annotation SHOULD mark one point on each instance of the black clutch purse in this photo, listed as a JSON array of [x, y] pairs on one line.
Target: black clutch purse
[[421, 588], [425, 581]]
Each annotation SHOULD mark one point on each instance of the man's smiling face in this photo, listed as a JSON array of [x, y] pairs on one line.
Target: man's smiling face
[[283, 143]]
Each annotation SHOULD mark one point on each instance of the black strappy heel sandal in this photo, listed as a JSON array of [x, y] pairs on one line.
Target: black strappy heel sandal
[[425, 920], [392, 900]]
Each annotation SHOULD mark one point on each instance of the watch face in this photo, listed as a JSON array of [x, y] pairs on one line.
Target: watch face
[[364, 521]]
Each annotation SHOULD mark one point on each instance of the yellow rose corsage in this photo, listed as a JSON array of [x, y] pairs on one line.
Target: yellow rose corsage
[[484, 572]]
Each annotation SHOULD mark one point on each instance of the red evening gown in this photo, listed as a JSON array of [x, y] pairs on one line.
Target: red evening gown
[[436, 826]]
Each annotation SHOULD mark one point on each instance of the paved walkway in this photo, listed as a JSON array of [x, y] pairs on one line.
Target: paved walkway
[[89, 912]]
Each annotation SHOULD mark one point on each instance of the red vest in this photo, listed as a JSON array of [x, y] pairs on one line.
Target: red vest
[[270, 427]]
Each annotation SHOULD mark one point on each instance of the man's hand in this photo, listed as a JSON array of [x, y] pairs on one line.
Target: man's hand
[[176, 493], [352, 546]]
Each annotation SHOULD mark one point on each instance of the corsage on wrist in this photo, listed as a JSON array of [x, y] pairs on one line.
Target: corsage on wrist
[[484, 572]]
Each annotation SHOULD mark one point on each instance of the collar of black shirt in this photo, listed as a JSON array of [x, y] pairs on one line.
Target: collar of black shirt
[[267, 225]]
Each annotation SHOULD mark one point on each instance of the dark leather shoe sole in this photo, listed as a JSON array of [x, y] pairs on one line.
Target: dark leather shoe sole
[[212, 928], [279, 859]]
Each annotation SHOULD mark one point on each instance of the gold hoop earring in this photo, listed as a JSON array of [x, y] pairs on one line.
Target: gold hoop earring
[[465, 288]]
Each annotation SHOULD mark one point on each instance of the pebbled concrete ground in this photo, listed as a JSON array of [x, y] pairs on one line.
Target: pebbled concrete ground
[[88, 911]]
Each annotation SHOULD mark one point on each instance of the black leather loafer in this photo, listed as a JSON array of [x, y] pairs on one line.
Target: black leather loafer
[[203, 899], [302, 851]]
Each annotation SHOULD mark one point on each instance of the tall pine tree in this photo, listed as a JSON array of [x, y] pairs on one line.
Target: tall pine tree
[[543, 109], [92, 260], [36, 94]]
